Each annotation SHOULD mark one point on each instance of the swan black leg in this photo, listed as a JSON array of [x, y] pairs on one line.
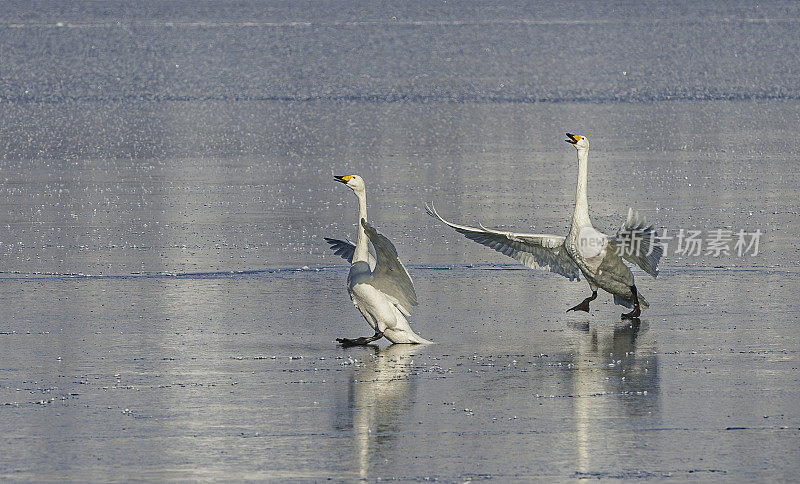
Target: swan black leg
[[364, 340], [637, 311], [584, 306]]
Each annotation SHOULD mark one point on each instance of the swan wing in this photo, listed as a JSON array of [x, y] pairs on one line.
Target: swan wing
[[343, 248], [390, 276], [346, 249], [538, 251], [638, 243]]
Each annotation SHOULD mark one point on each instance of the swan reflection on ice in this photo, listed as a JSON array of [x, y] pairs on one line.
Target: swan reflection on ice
[[614, 378], [380, 394]]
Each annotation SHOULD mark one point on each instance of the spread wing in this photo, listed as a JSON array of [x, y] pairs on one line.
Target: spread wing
[[638, 243], [538, 251], [390, 276], [346, 249]]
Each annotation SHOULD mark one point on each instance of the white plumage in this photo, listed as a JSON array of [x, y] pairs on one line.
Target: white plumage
[[584, 251], [379, 286]]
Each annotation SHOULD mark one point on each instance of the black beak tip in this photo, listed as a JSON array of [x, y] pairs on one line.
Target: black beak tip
[[339, 178]]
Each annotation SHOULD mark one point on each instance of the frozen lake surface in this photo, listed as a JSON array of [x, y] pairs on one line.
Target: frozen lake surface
[[169, 306]]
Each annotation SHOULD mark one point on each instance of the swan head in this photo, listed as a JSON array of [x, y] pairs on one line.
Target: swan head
[[355, 182], [579, 141]]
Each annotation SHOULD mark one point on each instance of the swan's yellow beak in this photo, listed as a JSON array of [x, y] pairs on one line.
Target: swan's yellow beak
[[343, 179], [573, 138]]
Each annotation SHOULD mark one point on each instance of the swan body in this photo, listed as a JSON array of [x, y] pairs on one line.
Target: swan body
[[379, 285], [604, 269], [585, 251]]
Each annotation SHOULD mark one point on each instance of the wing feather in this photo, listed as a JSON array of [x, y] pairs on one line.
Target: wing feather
[[390, 276], [342, 248], [346, 249], [538, 251], [638, 243]]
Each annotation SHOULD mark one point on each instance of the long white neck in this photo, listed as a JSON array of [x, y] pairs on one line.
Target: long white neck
[[362, 244], [580, 217]]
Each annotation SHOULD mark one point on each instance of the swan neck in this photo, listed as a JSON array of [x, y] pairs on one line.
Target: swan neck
[[362, 244], [580, 216]]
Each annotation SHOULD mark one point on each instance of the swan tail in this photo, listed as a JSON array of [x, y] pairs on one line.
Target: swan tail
[[404, 336], [624, 302], [629, 303], [402, 332]]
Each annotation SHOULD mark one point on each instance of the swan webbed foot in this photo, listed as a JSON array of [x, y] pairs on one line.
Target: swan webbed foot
[[364, 340], [584, 305], [637, 311], [633, 314]]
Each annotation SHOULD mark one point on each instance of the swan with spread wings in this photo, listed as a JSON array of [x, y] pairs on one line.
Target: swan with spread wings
[[585, 251], [379, 286]]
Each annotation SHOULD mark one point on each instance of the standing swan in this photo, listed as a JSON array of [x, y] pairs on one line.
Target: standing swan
[[584, 250], [385, 294]]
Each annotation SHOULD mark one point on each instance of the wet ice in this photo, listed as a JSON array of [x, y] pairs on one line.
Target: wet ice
[[165, 175]]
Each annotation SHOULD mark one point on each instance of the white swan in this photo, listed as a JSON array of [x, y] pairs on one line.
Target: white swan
[[385, 294], [584, 250]]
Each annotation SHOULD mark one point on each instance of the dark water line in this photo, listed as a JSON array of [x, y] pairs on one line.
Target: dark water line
[[665, 272], [249, 23], [461, 98]]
